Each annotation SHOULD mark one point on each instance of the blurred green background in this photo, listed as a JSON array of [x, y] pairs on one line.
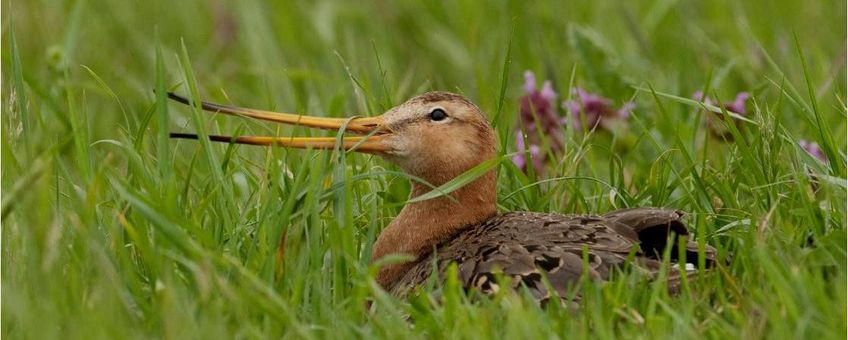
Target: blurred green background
[[111, 231], [296, 55]]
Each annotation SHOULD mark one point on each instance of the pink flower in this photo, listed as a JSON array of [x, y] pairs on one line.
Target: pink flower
[[714, 119], [536, 157], [537, 110], [539, 119], [596, 109], [813, 149], [736, 106]]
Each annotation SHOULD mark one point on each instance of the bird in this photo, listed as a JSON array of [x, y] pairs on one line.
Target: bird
[[437, 136]]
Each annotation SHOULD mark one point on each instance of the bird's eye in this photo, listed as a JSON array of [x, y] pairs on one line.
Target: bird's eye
[[438, 115]]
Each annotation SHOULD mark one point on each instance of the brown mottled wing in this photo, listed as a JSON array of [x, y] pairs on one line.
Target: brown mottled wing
[[653, 226], [524, 247]]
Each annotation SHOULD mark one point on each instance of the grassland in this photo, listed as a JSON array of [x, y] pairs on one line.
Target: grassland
[[111, 230]]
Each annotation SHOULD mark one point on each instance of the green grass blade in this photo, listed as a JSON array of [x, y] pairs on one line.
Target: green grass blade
[[461, 180]]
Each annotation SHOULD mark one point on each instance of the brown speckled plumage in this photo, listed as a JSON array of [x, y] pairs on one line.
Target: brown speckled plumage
[[524, 247]]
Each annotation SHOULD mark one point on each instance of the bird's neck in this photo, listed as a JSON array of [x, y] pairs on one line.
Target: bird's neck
[[421, 226]]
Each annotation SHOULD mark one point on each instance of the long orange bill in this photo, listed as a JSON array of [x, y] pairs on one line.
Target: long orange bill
[[373, 126], [373, 144]]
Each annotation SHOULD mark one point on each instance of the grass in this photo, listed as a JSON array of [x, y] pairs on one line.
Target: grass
[[110, 230]]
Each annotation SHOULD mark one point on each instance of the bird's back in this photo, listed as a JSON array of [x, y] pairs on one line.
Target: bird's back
[[524, 247]]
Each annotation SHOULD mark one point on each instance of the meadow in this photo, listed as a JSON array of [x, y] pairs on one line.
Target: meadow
[[112, 230]]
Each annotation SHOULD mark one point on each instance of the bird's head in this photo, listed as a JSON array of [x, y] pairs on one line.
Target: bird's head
[[437, 136]]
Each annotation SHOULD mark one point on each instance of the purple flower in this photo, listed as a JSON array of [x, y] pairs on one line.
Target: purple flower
[[539, 119], [537, 110], [736, 106], [813, 149], [714, 120], [536, 156], [597, 109]]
